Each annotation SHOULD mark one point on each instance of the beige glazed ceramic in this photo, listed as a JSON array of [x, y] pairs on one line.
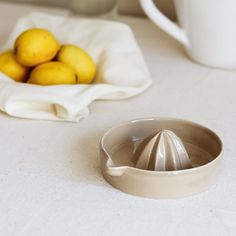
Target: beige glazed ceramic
[[161, 157]]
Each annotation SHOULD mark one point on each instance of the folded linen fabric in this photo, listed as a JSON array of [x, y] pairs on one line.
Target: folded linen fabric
[[121, 70]]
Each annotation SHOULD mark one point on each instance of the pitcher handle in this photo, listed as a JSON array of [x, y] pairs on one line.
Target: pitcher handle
[[163, 22]]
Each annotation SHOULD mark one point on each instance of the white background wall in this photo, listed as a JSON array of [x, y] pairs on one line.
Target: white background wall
[[126, 6]]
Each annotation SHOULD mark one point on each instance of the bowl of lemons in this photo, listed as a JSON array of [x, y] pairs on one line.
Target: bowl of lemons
[[53, 67], [38, 58]]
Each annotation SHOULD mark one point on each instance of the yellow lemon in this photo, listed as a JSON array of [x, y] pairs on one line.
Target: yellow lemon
[[36, 46], [52, 73], [78, 60], [12, 68]]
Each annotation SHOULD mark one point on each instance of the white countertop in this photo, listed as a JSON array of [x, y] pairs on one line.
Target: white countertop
[[50, 179]]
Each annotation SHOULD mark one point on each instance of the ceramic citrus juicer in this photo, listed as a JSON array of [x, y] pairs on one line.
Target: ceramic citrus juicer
[[161, 157]]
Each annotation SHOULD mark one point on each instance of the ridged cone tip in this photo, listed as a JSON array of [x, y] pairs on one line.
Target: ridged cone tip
[[162, 152]]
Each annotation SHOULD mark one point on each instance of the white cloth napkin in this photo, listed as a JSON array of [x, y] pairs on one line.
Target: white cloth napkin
[[122, 72]]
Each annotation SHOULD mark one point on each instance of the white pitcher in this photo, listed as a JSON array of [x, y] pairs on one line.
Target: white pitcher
[[207, 29]]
